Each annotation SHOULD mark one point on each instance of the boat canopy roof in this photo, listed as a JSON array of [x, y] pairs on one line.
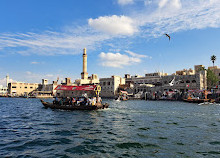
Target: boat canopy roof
[[76, 88]]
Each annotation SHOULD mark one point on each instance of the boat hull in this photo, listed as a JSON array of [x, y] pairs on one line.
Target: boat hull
[[74, 107], [196, 100]]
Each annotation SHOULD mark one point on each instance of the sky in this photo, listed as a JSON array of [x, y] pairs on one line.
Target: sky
[[45, 38]]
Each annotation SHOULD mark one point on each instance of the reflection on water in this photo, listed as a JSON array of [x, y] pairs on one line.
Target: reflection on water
[[126, 129]]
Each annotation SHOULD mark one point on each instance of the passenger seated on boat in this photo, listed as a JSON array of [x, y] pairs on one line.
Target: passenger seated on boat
[[99, 99], [61, 101], [89, 101], [84, 102], [93, 100], [55, 101], [73, 102]]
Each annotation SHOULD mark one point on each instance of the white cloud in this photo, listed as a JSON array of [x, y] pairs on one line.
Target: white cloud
[[162, 3], [34, 62], [171, 4], [108, 30], [36, 77], [148, 2], [119, 60], [115, 25], [125, 2], [52, 43], [3, 81], [137, 55], [192, 15]]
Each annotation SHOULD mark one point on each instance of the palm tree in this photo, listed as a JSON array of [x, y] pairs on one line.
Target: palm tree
[[213, 59]]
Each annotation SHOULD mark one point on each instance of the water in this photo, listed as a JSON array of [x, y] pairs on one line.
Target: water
[[127, 129]]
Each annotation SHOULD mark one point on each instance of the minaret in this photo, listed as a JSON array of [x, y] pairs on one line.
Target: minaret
[[84, 74], [7, 80]]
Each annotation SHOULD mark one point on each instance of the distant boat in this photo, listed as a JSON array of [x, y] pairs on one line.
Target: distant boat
[[197, 99]]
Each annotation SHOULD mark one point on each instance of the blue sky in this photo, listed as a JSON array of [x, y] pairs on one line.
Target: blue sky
[[45, 38]]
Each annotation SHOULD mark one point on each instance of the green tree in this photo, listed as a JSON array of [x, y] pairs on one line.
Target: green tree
[[212, 79], [213, 59]]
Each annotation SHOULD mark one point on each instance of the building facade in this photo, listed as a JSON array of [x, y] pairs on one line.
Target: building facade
[[3, 90], [21, 89], [216, 71], [45, 90], [182, 81], [110, 86]]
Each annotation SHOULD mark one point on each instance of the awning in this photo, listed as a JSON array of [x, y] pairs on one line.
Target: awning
[[76, 88]]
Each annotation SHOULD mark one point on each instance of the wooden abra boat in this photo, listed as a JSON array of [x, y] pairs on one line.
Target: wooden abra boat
[[198, 100], [74, 107], [77, 105], [195, 100]]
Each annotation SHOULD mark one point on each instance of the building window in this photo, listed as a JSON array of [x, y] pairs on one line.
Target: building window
[[181, 81], [109, 83], [193, 81], [31, 87], [187, 81], [103, 83], [14, 87], [25, 87]]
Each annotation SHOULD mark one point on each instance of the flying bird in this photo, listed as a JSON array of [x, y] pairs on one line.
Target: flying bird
[[167, 35]]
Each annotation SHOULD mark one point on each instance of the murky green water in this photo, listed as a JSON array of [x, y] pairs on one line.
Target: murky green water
[[126, 129]]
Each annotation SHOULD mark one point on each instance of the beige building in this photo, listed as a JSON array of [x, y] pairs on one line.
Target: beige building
[[85, 79], [21, 89], [182, 80], [45, 90], [110, 86], [185, 72], [216, 70]]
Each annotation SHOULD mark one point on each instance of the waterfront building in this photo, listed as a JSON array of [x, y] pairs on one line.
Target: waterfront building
[[3, 90], [110, 86], [151, 80], [182, 81], [216, 71], [21, 89], [198, 68], [85, 79], [185, 72], [45, 90]]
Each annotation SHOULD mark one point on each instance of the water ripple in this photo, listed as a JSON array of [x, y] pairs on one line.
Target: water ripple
[[127, 129]]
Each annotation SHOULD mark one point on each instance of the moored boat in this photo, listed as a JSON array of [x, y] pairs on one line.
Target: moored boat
[[198, 93], [195, 100]]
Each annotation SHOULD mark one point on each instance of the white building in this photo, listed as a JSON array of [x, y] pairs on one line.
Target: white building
[[110, 86], [3, 90]]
